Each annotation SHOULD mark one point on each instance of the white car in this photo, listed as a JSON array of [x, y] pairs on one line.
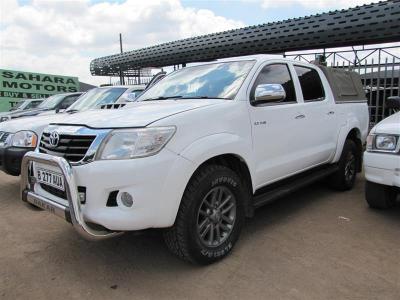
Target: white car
[[50, 105], [382, 163], [200, 150], [20, 136], [26, 104]]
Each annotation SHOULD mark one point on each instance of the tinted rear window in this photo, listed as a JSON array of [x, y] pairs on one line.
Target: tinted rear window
[[310, 83]]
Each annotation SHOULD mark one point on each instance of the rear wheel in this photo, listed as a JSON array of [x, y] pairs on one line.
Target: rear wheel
[[345, 177], [379, 196], [210, 216]]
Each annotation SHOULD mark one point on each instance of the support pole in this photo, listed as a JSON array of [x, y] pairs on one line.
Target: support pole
[[121, 73]]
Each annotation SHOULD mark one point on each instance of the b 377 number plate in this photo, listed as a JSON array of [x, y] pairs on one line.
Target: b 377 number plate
[[50, 178]]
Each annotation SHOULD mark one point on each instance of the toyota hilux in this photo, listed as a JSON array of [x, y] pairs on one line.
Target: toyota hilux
[[200, 150]]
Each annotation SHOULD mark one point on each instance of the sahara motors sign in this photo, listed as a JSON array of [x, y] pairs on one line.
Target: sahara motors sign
[[16, 85]]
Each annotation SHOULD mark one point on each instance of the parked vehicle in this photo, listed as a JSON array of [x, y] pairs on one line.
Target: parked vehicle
[[200, 150], [18, 137], [382, 160], [22, 105], [52, 104]]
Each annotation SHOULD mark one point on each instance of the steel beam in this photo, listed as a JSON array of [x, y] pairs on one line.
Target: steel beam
[[367, 24]]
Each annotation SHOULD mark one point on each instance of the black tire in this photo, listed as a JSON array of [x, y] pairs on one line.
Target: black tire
[[379, 196], [184, 238], [345, 178]]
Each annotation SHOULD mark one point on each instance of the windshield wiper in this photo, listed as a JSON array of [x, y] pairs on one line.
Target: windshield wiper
[[72, 111], [204, 97], [162, 98]]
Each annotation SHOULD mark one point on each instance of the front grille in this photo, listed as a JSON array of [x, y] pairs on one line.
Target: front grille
[[52, 190], [3, 136], [72, 147]]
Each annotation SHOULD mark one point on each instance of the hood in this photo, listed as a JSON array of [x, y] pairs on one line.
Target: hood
[[26, 113], [390, 125], [137, 114], [35, 124], [48, 112]]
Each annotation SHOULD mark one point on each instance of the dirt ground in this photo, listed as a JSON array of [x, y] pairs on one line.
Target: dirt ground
[[315, 244]]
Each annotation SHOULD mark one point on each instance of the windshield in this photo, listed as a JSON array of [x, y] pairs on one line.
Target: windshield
[[18, 105], [97, 97], [51, 102], [219, 80]]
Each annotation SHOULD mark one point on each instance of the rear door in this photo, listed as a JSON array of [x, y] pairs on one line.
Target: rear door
[[277, 127], [321, 115]]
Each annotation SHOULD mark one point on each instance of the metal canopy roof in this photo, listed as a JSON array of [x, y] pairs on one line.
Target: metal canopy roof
[[367, 24]]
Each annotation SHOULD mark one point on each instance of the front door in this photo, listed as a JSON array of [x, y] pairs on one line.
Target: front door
[[277, 127]]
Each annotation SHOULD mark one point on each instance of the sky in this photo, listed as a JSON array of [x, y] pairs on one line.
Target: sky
[[63, 36]]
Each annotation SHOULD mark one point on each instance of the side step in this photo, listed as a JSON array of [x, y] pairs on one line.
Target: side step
[[287, 186]]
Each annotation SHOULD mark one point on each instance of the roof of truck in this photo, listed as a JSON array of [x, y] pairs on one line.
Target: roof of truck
[[122, 86], [251, 57]]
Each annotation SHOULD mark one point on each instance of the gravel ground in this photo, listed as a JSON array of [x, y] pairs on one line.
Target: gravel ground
[[315, 244]]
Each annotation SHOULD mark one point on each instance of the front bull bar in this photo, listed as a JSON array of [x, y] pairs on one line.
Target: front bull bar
[[72, 212]]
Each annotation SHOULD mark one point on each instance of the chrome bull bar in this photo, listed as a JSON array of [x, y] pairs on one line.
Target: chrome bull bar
[[71, 213]]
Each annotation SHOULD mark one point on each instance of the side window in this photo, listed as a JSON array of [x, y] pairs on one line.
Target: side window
[[310, 83], [30, 105], [35, 103], [68, 101], [276, 74]]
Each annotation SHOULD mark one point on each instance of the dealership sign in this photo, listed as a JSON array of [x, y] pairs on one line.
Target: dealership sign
[[16, 85]]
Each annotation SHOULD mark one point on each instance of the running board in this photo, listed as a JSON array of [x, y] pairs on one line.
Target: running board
[[287, 186]]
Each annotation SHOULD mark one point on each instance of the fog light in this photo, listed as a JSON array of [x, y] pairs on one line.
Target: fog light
[[126, 199]]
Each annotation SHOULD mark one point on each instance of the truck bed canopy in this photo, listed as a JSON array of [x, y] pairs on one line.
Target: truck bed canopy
[[346, 85]]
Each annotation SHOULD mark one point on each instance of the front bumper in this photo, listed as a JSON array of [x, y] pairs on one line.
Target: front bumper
[[11, 159], [156, 183], [71, 212], [382, 168]]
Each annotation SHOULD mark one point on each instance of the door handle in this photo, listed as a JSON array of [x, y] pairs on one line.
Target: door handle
[[331, 113], [300, 117]]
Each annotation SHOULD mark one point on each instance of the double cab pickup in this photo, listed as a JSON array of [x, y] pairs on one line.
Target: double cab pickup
[[200, 150]]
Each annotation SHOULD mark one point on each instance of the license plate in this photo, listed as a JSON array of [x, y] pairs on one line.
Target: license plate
[[51, 178]]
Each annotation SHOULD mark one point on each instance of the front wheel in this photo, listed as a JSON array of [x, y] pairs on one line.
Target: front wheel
[[379, 196], [210, 216]]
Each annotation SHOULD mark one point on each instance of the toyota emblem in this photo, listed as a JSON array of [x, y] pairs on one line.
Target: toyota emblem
[[54, 139]]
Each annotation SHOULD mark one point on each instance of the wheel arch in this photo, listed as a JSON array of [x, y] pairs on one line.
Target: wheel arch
[[354, 134], [237, 164]]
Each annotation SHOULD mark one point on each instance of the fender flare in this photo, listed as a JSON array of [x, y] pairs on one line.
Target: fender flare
[[218, 144], [344, 131]]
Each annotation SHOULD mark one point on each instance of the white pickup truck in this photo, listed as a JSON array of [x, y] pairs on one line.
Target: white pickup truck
[[200, 150], [382, 160]]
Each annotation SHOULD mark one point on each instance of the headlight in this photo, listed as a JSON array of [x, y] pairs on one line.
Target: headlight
[[380, 142], [386, 142], [25, 139], [5, 118], [134, 143]]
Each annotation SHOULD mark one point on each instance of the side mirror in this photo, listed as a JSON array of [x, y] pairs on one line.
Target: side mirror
[[393, 102], [132, 96], [269, 93], [60, 110]]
